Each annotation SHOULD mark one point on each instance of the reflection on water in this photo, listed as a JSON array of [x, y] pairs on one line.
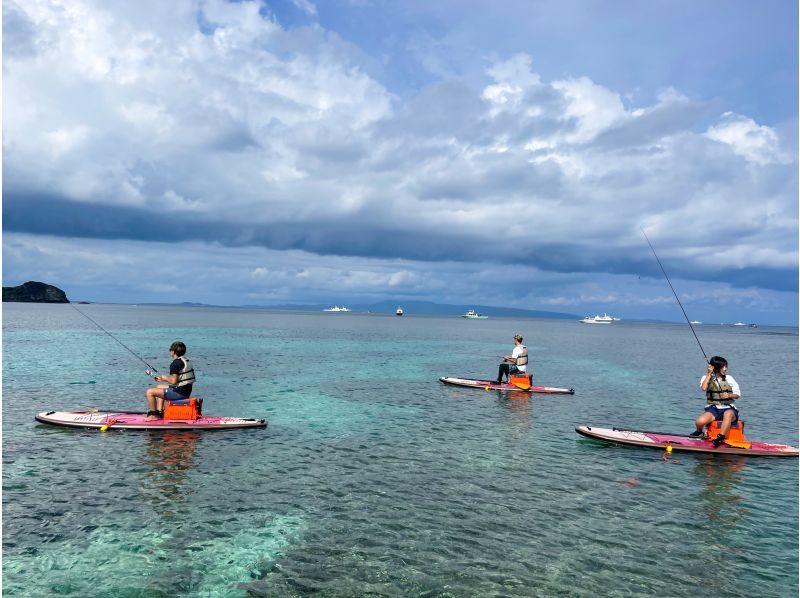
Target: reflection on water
[[169, 456], [518, 395], [719, 478], [519, 406]]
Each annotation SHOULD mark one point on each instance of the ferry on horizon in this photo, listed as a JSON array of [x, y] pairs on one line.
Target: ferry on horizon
[[337, 308], [604, 319]]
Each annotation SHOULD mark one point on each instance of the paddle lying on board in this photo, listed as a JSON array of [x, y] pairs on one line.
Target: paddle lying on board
[[660, 440]]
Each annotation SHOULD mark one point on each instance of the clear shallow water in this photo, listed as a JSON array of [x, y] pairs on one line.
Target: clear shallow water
[[375, 479]]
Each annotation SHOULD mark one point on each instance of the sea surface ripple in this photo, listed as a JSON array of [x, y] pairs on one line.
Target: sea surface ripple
[[374, 479]]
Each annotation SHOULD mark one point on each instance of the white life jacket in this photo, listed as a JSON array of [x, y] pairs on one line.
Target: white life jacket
[[186, 375], [522, 358]]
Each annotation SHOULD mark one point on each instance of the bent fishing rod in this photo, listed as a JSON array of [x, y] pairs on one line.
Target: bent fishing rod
[[674, 293], [151, 371]]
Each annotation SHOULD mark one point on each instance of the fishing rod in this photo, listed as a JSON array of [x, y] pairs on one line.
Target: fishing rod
[[674, 293], [479, 354], [150, 369]]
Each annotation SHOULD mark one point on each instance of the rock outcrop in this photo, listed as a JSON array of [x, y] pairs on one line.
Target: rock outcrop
[[35, 292]]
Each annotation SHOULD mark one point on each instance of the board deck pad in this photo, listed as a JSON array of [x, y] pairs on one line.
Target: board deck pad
[[678, 442], [137, 421], [492, 385]]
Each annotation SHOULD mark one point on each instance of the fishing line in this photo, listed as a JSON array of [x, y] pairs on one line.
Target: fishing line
[[674, 293], [150, 367]]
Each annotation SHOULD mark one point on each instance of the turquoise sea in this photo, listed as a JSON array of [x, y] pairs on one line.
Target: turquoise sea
[[373, 479]]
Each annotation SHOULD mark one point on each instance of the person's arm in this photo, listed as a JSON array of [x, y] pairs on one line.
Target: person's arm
[[736, 393], [707, 378], [172, 379]]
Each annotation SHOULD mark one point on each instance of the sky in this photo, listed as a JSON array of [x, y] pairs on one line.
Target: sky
[[505, 153]]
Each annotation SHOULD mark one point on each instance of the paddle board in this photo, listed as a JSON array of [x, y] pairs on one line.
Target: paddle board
[[137, 421], [659, 440], [492, 385]]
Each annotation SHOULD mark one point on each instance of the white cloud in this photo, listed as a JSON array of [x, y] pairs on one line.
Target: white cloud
[[62, 141], [174, 201], [154, 117], [746, 138], [513, 77], [594, 107], [157, 94], [307, 7]]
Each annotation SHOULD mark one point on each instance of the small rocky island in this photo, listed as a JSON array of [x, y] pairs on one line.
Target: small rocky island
[[35, 292]]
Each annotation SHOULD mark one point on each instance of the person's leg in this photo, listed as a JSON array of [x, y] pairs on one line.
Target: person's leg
[[728, 416], [727, 420], [155, 401], [168, 395], [502, 371], [701, 422]]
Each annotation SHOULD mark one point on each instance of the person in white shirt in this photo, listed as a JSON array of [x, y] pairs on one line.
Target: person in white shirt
[[721, 391], [514, 363]]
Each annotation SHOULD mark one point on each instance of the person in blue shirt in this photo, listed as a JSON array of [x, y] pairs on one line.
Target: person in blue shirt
[[178, 383]]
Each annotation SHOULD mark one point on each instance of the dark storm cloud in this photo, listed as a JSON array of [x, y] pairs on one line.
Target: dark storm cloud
[[345, 237]]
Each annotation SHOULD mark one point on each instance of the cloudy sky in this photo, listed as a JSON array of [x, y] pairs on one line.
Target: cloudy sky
[[498, 153]]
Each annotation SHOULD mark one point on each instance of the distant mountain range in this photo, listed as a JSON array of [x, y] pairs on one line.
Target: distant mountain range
[[40, 292], [427, 308]]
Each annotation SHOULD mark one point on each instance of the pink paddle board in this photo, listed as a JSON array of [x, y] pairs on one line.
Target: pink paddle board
[[492, 385], [684, 443], [136, 421]]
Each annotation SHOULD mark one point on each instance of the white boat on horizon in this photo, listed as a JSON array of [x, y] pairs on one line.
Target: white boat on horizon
[[399, 311], [604, 319], [740, 324], [473, 315], [695, 322], [336, 308]]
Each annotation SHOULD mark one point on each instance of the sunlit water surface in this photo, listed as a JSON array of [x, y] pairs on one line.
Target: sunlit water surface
[[375, 479]]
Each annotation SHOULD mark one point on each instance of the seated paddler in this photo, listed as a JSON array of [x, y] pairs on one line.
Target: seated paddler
[[721, 391], [515, 363], [178, 383]]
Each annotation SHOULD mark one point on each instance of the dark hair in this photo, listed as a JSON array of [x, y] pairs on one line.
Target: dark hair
[[179, 348], [717, 362], [518, 337]]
